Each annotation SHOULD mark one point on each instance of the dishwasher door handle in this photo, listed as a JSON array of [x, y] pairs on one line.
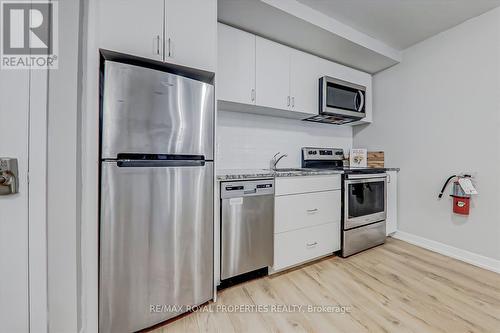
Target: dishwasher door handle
[[250, 192]]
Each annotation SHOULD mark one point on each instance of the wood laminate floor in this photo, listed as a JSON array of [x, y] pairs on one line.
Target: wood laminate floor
[[396, 287]]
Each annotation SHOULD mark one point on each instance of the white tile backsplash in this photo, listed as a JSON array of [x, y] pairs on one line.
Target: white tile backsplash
[[249, 141]]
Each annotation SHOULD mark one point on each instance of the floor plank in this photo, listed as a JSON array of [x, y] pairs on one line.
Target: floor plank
[[397, 287]]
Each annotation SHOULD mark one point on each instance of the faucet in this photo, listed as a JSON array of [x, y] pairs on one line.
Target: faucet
[[276, 159]]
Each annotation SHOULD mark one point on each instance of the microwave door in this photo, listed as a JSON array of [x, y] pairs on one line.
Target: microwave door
[[342, 99], [147, 111]]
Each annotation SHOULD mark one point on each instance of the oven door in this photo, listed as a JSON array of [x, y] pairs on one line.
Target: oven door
[[365, 199]]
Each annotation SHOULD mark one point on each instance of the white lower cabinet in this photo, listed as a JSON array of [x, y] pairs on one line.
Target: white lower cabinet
[[295, 247], [307, 213]]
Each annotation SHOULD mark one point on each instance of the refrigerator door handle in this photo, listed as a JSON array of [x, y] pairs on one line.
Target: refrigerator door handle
[[158, 164]]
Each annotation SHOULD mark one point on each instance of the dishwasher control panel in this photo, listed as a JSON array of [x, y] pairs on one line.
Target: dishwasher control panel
[[242, 188]]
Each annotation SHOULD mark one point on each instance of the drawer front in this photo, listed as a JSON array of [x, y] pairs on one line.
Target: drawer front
[[298, 246], [297, 211], [305, 184], [359, 239]]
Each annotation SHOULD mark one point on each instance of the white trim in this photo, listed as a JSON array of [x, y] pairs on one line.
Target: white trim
[[450, 251], [37, 198], [89, 305]]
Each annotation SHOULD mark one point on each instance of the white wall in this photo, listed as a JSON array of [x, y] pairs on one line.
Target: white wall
[[436, 114], [249, 141]]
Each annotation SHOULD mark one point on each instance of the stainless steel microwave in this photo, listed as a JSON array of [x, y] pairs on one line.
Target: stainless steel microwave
[[340, 102]]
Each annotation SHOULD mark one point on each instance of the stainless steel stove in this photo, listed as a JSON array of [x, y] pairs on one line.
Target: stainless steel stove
[[364, 199]]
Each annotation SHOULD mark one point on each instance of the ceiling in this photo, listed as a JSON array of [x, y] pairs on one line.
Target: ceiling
[[401, 23], [285, 27]]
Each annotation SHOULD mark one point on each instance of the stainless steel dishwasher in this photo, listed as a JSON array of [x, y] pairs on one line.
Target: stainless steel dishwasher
[[247, 226]]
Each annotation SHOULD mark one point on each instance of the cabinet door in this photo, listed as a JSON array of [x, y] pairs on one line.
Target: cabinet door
[[236, 65], [304, 82], [273, 74], [191, 33], [132, 27], [392, 202]]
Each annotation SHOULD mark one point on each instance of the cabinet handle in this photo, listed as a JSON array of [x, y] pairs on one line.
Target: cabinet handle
[[158, 44], [312, 210], [388, 178], [252, 95], [293, 102], [288, 101], [169, 47], [312, 244]]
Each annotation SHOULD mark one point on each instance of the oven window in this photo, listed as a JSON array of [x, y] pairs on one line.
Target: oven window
[[341, 97], [366, 199]]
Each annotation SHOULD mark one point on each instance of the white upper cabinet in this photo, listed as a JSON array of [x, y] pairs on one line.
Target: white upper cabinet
[[273, 74], [182, 32], [191, 33], [236, 65], [305, 73], [132, 27], [260, 76]]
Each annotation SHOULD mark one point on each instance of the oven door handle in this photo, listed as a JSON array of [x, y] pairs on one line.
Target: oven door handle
[[367, 176]]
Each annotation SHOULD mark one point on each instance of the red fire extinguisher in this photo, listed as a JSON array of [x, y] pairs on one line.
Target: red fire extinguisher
[[461, 200]]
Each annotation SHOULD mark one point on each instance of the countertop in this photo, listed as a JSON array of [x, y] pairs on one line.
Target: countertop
[[239, 174]]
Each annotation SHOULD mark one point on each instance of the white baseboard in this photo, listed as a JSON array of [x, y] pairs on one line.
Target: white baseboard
[[450, 251]]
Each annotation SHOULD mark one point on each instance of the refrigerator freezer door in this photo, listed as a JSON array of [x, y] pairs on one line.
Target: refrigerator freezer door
[[156, 243], [147, 111]]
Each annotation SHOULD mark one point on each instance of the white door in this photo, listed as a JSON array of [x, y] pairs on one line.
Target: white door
[[236, 65], [273, 74], [304, 82], [14, 106], [191, 33], [132, 27]]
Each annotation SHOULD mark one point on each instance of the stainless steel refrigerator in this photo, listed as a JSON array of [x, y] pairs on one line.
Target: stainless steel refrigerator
[[156, 196]]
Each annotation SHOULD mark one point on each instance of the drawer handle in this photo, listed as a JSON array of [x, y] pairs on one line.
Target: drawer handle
[[312, 210], [311, 244]]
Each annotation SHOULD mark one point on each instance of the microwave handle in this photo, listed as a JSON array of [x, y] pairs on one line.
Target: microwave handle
[[362, 102]]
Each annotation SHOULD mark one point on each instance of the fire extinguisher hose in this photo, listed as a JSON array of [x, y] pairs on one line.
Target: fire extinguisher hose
[[444, 186]]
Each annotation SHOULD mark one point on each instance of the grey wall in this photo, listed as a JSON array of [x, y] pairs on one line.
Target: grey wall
[[63, 171], [435, 114]]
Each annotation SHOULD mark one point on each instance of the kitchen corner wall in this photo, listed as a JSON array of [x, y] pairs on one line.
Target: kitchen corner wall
[[249, 141], [436, 114]]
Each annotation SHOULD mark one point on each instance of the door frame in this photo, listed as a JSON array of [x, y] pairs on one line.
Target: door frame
[[37, 201], [88, 260]]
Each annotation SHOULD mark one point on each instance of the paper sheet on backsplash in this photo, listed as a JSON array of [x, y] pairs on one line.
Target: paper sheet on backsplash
[[358, 158]]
